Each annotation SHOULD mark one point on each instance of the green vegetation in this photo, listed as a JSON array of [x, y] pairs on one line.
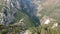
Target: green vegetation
[[19, 15]]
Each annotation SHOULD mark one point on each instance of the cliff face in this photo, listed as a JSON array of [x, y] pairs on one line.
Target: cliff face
[[10, 7], [8, 11], [32, 8]]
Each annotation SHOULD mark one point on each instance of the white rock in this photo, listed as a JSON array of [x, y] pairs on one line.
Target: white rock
[[47, 21], [55, 25], [1, 14], [18, 5], [27, 32], [12, 5], [21, 20]]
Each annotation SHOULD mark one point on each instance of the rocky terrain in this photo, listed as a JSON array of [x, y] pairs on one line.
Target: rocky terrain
[[29, 16]]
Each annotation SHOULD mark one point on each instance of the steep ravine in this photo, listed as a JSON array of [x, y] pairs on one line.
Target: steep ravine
[[25, 6]]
